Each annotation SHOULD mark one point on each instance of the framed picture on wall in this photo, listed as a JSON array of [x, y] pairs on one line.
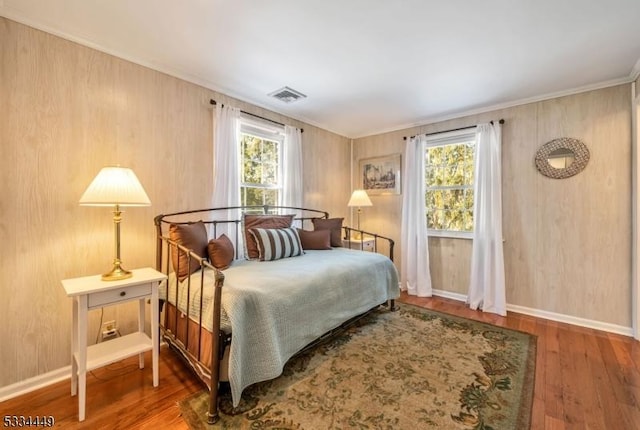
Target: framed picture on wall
[[380, 175]]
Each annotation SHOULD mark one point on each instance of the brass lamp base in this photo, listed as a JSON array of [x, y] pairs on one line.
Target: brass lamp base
[[117, 273]]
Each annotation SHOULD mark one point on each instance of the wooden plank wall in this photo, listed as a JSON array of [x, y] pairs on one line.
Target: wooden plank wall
[[568, 242], [65, 112]]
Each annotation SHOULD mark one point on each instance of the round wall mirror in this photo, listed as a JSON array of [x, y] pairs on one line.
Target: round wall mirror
[[562, 158]]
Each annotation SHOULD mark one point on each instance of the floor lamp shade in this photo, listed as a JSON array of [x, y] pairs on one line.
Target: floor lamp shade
[[359, 199], [115, 186]]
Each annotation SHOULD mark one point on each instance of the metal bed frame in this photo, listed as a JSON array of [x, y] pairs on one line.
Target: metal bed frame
[[220, 342]]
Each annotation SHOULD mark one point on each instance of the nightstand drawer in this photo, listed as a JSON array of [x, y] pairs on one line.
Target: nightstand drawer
[[118, 295]]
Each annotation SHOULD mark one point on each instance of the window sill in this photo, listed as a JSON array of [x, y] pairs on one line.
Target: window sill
[[450, 234]]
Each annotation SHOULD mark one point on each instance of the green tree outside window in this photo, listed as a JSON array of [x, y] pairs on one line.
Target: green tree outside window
[[260, 177], [449, 186]]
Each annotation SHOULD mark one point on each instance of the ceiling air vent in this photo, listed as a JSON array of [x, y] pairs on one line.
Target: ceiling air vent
[[287, 95]]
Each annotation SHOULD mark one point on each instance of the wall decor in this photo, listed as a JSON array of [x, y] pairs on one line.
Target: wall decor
[[381, 175], [562, 158]]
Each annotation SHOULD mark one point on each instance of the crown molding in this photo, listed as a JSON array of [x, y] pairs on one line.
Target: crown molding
[[16, 16], [635, 71], [506, 105]]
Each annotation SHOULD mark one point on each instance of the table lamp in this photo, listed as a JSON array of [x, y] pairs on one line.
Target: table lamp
[[115, 186], [358, 199]]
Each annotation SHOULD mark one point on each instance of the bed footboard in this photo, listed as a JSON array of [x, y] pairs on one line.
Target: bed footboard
[[201, 349]]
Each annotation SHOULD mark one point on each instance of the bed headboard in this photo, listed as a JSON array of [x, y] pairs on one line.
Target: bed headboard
[[228, 219]]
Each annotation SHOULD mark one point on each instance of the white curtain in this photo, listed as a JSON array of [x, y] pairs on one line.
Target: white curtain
[[291, 194], [226, 164], [487, 289], [414, 271]]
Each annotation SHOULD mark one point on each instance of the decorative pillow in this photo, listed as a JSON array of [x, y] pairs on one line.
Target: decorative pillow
[[332, 224], [276, 243], [261, 221], [315, 239], [192, 236], [221, 252]]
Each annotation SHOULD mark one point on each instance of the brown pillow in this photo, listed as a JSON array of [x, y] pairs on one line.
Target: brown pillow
[[261, 221], [192, 236], [315, 239], [333, 224], [221, 252]]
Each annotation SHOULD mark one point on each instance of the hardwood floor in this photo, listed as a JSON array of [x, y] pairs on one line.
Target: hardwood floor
[[119, 396], [585, 379]]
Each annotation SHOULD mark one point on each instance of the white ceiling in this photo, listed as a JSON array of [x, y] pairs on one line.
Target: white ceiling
[[367, 66]]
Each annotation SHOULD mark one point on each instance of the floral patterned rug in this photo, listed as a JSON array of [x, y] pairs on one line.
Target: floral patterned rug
[[410, 369]]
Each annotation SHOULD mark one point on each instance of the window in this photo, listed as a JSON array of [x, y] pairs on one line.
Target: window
[[449, 166], [260, 155]]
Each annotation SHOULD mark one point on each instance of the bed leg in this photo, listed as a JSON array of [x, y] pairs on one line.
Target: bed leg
[[392, 305], [212, 419], [212, 414]]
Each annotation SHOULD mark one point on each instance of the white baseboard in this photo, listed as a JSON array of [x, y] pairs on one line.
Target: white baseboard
[[40, 381], [449, 295], [569, 319], [35, 383]]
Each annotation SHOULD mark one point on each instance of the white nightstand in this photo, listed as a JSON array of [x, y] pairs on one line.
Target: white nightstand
[[364, 244], [92, 292]]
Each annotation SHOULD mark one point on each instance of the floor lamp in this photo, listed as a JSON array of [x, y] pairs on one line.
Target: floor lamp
[[115, 186], [359, 199]]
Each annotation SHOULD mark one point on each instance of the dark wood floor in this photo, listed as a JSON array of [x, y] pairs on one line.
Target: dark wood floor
[[585, 379]]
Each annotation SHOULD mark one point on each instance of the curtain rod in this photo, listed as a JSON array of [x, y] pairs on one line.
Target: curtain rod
[[453, 129], [213, 102]]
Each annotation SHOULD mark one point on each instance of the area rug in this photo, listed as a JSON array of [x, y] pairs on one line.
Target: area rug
[[410, 369]]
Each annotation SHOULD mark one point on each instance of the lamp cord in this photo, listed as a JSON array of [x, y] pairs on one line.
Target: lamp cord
[[100, 325]]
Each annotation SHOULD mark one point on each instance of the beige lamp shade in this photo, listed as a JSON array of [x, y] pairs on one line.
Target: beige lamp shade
[[359, 198], [115, 186]]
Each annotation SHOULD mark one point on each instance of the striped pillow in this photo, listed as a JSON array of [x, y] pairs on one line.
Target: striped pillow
[[276, 243]]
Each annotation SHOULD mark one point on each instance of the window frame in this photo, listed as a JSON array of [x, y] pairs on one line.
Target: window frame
[[442, 139], [263, 131]]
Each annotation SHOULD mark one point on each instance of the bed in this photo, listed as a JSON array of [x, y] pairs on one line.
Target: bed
[[242, 320]]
